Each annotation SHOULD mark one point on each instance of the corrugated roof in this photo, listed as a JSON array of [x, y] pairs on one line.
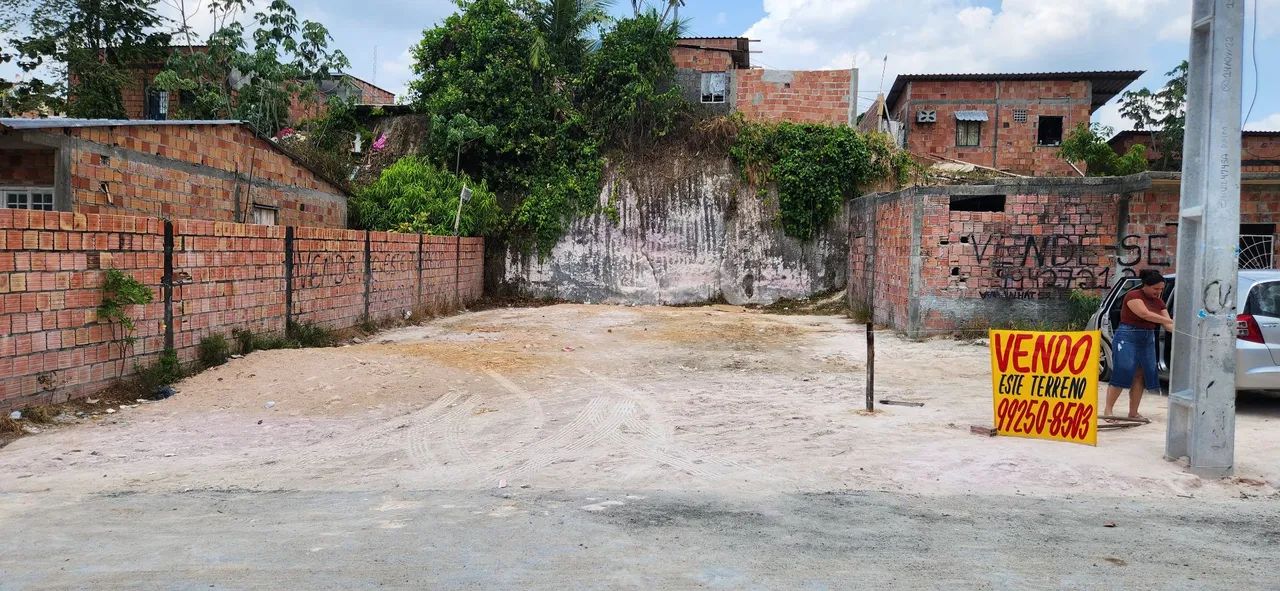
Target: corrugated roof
[[1106, 83], [1127, 133], [60, 123], [971, 115], [694, 38]]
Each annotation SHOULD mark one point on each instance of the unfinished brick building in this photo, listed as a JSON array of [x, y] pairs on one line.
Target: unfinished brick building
[[1011, 122], [143, 101], [1259, 150], [207, 170], [952, 257], [716, 72]]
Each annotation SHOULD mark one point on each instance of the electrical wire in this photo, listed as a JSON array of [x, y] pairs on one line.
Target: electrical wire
[[1254, 50]]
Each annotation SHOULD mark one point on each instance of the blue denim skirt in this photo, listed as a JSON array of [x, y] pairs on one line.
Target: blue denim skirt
[[1134, 348]]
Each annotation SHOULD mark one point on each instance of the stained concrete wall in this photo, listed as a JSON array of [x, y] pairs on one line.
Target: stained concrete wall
[[686, 230]]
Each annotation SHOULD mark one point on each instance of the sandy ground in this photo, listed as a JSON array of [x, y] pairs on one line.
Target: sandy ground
[[572, 411]]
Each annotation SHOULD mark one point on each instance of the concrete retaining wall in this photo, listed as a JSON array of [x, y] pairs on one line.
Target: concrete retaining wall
[[686, 230]]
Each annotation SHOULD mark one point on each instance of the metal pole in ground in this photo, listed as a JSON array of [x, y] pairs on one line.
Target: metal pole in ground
[[871, 366], [457, 247], [1202, 413]]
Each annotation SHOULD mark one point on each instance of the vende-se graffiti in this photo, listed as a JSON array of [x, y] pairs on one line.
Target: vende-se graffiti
[[1032, 267]]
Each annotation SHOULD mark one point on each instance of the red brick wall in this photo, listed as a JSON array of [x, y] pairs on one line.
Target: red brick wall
[[1005, 143], [27, 168], [704, 60], [139, 187], [977, 268], [372, 95], [328, 276], [1151, 236], [230, 276], [820, 96], [51, 272], [1258, 152], [889, 291], [236, 280]]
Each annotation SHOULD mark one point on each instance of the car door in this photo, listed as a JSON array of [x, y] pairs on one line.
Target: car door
[[1264, 304], [1164, 341], [1111, 319]]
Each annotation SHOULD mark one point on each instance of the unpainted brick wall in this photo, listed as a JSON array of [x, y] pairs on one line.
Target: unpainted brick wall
[[711, 59], [1259, 152], [26, 168], [1004, 143], [136, 186], [984, 267], [226, 276], [1151, 236], [819, 96], [883, 225], [51, 272]]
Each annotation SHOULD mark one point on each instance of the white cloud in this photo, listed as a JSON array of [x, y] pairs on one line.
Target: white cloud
[[932, 36], [954, 36], [1269, 123]]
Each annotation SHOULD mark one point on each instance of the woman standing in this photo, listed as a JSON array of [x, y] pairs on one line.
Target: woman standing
[[1133, 348]]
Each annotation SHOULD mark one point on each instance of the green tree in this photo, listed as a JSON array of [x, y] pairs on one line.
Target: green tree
[[542, 161], [1088, 143], [253, 76], [630, 95], [414, 195], [1162, 114], [670, 8], [563, 32], [91, 43], [814, 168]]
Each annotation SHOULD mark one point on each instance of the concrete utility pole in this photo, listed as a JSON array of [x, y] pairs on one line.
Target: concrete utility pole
[[1202, 404]]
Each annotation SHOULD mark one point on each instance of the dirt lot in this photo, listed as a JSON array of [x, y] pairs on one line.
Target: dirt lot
[[502, 426]]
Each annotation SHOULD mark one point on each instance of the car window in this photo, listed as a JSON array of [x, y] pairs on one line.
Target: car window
[[1265, 299]]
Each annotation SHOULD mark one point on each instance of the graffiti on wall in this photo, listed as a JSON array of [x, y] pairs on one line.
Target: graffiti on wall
[[391, 265], [327, 269], [1047, 266]]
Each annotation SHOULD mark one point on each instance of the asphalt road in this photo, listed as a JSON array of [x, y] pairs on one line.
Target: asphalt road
[[532, 539]]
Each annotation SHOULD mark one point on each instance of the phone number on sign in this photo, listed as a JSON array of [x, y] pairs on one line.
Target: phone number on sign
[[1070, 420]]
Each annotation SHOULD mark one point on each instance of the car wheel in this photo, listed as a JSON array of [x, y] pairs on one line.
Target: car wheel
[[1104, 362]]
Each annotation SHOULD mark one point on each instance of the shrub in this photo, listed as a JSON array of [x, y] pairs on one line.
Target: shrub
[[414, 195], [166, 370], [214, 350]]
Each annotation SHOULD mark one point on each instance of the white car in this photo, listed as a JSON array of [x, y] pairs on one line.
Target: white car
[[1257, 328]]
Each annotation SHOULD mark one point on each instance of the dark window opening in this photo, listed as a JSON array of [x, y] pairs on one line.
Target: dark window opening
[[986, 203], [955, 271], [1049, 131], [157, 105], [968, 134]]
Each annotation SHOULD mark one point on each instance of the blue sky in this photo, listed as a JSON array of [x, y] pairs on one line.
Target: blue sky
[[918, 36]]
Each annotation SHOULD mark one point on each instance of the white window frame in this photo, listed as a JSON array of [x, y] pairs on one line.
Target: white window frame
[[259, 215], [708, 92], [26, 201]]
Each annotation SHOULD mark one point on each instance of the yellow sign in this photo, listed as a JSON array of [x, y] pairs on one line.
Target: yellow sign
[[1045, 384]]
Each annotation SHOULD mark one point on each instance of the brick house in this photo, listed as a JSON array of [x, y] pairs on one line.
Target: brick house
[[1259, 150], [143, 101], [205, 170], [716, 73], [1012, 122]]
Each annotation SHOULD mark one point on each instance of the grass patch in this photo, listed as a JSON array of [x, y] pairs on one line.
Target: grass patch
[[164, 371], [827, 303], [214, 350]]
